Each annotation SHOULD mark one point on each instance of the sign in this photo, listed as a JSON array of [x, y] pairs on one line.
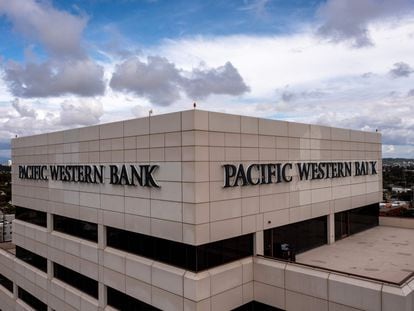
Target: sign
[[268, 173], [130, 175]]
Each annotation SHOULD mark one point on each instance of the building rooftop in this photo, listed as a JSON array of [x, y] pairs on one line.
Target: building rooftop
[[383, 253]]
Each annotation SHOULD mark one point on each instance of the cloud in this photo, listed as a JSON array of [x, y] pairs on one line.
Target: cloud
[[59, 31], [222, 80], [23, 109], [349, 20], [82, 112], [161, 82], [401, 69], [158, 79], [80, 77], [294, 95]]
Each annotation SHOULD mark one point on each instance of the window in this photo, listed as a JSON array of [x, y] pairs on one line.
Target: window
[[6, 283], [299, 237], [189, 257], [31, 258], [256, 306], [122, 301], [356, 220], [31, 300], [31, 215], [79, 228], [77, 280]]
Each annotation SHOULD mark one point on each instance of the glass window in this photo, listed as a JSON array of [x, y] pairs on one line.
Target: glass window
[[79, 228], [77, 280], [30, 215], [356, 220], [6, 283], [122, 301], [31, 300], [286, 241], [190, 257], [31, 258]]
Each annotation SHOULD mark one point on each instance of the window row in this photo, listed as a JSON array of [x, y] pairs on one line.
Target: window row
[[189, 257], [79, 228], [22, 294]]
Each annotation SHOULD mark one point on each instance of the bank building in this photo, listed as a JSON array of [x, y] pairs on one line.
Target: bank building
[[199, 210]]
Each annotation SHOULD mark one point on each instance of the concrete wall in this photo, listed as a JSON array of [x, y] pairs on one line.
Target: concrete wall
[[296, 288], [397, 222]]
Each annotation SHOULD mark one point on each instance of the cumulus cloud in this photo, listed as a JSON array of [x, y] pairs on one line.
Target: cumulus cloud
[[59, 31], [158, 79], [400, 70], [80, 77], [23, 109], [288, 95], [349, 20], [82, 112], [222, 80], [161, 82]]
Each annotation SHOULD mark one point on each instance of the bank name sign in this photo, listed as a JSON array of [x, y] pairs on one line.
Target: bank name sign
[[269, 173], [130, 175], [234, 175]]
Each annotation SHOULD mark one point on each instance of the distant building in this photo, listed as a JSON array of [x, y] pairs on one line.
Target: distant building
[[9, 162]]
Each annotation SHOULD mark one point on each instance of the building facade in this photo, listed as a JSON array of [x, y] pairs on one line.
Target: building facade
[[192, 210]]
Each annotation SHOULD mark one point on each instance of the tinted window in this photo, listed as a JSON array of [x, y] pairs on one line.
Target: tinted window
[[31, 300], [77, 280], [6, 283], [121, 301], [256, 306], [79, 228], [31, 258], [356, 220], [31, 215], [189, 257], [299, 236]]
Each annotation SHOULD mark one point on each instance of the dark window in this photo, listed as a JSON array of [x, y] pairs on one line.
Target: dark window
[[295, 238], [124, 302], [356, 220], [256, 306], [189, 257], [31, 215], [77, 280], [31, 258], [6, 283], [31, 300], [79, 228]]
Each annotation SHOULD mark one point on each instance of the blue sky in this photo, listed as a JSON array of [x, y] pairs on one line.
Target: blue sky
[[346, 63]]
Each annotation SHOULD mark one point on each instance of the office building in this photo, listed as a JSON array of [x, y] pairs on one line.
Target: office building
[[199, 210]]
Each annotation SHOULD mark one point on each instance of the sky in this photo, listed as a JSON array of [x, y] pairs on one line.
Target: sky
[[343, 63]]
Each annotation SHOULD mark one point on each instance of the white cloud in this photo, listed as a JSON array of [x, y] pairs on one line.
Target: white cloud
[[401, 69], [59, 31], [348, 20], [81, 112], [80, 77], [161, 82], [23, 109]]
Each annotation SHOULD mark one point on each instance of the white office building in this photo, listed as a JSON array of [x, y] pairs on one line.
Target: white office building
[[199, 210]]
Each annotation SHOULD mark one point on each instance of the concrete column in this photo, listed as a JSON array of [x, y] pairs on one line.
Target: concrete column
[[331, 228], [258, 243], [49, 222], [102, 296], [101, 236], [15, 294]]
